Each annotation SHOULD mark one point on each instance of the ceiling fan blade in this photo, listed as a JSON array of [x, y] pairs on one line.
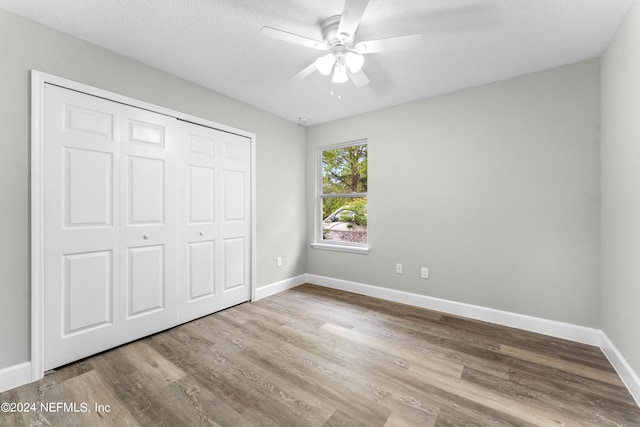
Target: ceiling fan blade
[[304, 73], [392, 43], [292, 38], [359, 79], [351, 16]]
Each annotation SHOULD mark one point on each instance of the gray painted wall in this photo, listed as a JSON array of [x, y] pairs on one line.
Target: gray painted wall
[[27, 45], [494, 188], [621, 189]]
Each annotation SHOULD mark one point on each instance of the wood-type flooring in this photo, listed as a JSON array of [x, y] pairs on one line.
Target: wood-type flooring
[[312, 356]]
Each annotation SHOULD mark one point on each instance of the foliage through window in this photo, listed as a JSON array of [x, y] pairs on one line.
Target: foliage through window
[[343, 195]]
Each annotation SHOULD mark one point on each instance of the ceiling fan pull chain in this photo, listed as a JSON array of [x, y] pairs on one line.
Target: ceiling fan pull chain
[[335, 91]]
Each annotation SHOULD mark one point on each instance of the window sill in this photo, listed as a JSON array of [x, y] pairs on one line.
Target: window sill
[[363, 250]]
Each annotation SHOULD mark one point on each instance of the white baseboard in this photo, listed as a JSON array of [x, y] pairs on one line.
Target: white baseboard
[[283, 285], [15, 376], [553, 328], [626, 373], [18, 375]]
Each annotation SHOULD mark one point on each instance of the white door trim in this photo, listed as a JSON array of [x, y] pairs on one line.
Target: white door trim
[[38, 81]]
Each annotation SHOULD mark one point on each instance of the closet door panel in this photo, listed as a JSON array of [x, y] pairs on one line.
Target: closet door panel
[[84, 120], [88, 184], [235, 224], [234, 263], [88, 291], [148, 226], [202, 270], [202, 195], [146, 191], [145, 280], [81, 201], [198, 213], [146, 133], [234, 200]]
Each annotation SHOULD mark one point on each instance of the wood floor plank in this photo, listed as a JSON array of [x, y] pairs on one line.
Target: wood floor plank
[[287, 401], [193, 404], [398, 420], [200, 363], [136, 391], [334, 381], [543, 344], [325, 389], [411, 337], [557, 397], [413, 359], [238, 364], [150, 364], [530, 413], [563, 365], [469, 416], [314, 356]]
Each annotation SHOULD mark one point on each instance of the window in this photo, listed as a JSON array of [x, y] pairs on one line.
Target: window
[[342, 200]]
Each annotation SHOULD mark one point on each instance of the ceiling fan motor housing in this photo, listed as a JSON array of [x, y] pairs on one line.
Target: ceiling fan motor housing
[[330, 33]]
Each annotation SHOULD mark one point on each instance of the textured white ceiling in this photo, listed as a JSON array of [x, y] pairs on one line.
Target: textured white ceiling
[[216, 44]]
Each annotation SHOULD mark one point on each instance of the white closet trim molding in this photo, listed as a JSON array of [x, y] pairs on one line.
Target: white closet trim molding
[[38, 82]]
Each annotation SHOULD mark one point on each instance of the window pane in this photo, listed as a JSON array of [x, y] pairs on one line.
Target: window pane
[[344, 170], [344, 219]]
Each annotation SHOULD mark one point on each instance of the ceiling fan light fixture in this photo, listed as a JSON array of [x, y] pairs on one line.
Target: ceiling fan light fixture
[[339, 72], [325, 63], [354, 61], [343, 59]]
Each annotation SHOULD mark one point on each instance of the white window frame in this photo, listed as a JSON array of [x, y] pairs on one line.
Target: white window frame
[[360, 248]]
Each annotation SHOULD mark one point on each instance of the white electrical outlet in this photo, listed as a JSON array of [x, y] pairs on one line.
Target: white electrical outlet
[[424, 273], [279, 261], [399, 268]]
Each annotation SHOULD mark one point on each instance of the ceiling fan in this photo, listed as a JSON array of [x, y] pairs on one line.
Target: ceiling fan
[[345, 58]]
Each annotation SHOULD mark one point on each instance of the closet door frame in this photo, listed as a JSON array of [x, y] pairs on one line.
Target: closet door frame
[[38, 82]]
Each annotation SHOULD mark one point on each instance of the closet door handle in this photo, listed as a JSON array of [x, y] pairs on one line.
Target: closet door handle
[[146, 236]]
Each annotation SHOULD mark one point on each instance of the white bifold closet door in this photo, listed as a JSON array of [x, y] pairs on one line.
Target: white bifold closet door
[[146, 223], [214, 213]]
